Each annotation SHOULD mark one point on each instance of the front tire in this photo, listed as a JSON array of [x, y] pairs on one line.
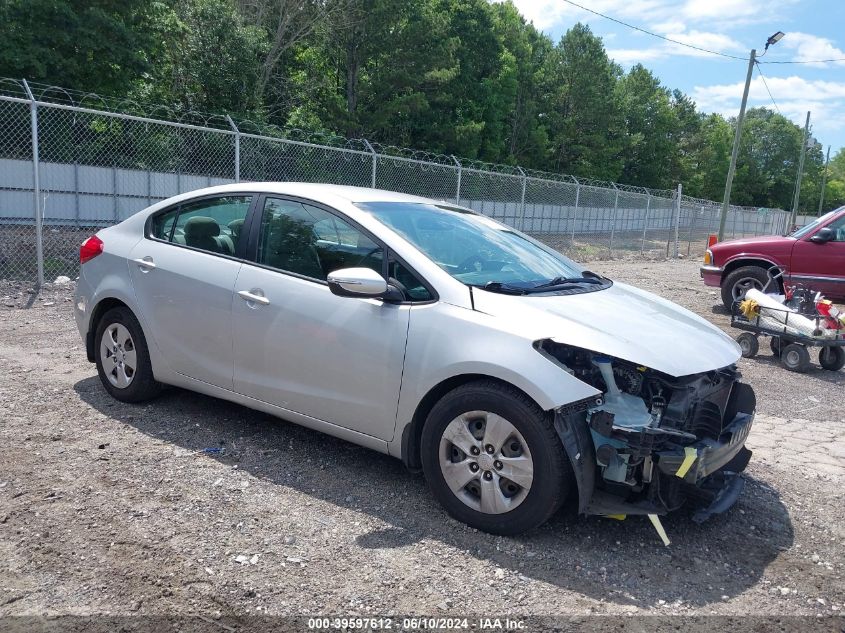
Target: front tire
[[740, 281], [795, 357], [122, 357], [492, 458]]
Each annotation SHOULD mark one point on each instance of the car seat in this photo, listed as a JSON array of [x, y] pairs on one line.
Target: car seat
[[204, 233]]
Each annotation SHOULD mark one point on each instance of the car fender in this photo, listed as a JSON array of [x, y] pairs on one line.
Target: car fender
[[438, 348], [751, 255]]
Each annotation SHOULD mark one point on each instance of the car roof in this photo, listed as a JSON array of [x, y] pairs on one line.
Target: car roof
[[318, 192]]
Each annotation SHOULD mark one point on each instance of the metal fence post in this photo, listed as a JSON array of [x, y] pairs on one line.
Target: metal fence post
[[575, 210], [691, 230], [375, 161], [645, 220], [237, 148], [613, 223], [522, 202], [678, 219], [36, 185], [458, 189]]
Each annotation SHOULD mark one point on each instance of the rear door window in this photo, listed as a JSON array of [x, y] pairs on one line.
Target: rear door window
[[210, 224]]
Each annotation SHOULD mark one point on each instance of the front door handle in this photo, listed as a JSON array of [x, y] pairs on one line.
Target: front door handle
[[145, 263], [252, 297]]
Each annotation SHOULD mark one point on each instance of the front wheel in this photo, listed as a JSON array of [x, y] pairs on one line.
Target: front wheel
[[740, 281], [795, 357], [492, 458], [749, 344]]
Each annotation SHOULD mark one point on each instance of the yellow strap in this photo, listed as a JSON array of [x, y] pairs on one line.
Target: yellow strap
[[618, 517], [690, 455], [655, 521]]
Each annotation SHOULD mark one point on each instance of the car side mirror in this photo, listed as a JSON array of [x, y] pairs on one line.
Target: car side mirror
[[357, 282], [823, 235]]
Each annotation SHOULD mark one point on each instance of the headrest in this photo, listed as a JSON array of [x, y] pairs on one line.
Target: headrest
[[200, 226], [236, 225]]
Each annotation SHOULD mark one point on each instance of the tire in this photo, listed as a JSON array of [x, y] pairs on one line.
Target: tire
[[489, 403], [775, 345], [738, 281], [795, 357], [749, 344], [832, 358], [114, 367]]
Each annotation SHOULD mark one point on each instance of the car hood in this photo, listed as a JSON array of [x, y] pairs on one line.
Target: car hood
[[620, 321], [769, 244]]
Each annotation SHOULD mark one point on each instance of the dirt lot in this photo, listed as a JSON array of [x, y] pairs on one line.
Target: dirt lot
[[107, 508]]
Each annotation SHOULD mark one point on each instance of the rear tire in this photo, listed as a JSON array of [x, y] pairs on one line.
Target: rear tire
[[775, 345], [739, 281], [473, 415], [795, 357], [123, 358], [832, 358]]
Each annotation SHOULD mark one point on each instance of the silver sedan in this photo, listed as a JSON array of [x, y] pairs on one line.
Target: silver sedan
[[509, 374]]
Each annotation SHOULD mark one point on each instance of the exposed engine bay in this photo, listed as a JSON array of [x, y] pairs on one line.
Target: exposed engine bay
[[653, 441]]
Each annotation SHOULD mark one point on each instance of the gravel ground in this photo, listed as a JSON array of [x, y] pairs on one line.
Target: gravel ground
[[108, 508]]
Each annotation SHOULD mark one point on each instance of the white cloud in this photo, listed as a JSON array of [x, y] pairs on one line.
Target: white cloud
[[704, 9], [631, 56], [711, 41], [794, 95], [809, 47]]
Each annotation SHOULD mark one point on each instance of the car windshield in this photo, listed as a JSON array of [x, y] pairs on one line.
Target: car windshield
[[809, 228], [479, 251]]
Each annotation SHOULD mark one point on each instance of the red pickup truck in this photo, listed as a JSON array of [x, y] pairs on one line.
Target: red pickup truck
[[813, 256]]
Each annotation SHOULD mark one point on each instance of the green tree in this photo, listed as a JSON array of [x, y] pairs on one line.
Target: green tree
[[526, 50], [97, 46], [586, 127], [651, 122]]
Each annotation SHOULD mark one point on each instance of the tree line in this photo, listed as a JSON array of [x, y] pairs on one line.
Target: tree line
[[464, 77]]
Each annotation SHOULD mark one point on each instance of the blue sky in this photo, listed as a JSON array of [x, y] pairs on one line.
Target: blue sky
[[815, 29]]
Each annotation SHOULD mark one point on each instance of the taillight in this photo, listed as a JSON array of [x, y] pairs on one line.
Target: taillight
[[90, 248]]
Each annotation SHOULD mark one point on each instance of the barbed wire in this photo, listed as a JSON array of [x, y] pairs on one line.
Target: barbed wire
[[319, 139]]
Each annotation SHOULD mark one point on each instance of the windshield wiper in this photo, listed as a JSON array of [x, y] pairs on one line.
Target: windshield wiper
[[498, 286], [565, 281]]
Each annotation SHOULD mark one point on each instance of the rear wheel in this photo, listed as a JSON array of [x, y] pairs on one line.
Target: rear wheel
[[795, 357], [749, 344], [775, 345], [832, 358], [740, 281], [492, 458], [122, 357]]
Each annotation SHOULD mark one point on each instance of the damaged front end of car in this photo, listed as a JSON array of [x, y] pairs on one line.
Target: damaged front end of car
[[651, 441]]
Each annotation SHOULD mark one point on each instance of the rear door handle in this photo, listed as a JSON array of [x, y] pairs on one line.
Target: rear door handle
[[251, 297], [145, 263]]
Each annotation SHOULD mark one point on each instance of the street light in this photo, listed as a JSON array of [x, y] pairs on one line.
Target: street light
[[774, 39], [726, 202]]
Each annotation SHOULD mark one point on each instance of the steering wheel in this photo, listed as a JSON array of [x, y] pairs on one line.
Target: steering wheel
[[473, 263]]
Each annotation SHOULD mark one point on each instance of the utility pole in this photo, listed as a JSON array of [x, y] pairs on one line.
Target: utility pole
[[824, 180], [726, 203], [800, 172]]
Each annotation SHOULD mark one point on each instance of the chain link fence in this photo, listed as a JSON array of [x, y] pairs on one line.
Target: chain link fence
[[71, 164]]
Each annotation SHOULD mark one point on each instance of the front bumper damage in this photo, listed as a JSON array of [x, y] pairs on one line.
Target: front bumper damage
[[676, 467]]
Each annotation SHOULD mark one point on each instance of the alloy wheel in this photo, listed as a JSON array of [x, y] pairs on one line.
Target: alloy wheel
[[117, 355], [486, 462]]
